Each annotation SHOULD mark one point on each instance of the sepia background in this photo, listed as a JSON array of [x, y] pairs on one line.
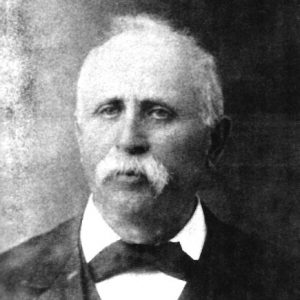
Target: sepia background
[[256, 43]]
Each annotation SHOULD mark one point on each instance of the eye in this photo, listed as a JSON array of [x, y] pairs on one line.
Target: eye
[[160, 113], [108, 111]]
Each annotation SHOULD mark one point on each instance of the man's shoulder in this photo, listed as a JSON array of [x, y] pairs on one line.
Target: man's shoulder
[[237, 243], [39, 258], [244, 262]]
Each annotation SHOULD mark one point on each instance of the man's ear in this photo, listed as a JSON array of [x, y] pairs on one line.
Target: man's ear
[[219, 135]]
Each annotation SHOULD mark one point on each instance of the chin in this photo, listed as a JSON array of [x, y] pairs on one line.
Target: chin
[[137, 217], [126, 200], [146, 235]]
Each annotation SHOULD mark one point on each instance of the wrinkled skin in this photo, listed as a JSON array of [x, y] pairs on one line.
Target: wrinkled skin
[[138, 98]]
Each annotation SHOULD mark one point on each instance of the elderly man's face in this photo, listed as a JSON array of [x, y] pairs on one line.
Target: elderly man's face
[[142, 139]]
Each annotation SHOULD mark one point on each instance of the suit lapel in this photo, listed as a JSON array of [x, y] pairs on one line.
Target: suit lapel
[[209, 282], [74, 282], [72, 279], [88, 285], [200, 286], [68, 284]]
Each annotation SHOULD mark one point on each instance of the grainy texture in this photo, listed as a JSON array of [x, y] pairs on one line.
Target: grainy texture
[[42, 45]]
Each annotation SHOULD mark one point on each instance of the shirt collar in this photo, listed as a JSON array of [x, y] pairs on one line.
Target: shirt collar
[[95, 234]]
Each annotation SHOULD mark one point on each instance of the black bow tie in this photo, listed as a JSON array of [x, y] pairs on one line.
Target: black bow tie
[[122, 257]]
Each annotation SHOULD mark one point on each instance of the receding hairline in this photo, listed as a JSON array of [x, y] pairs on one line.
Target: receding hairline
[[121, 25], [201, 61], [140, 23]]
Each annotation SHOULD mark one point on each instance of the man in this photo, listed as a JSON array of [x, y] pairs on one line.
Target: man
[[150, 125]]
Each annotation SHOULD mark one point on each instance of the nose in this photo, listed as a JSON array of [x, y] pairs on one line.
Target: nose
[[132, 139]]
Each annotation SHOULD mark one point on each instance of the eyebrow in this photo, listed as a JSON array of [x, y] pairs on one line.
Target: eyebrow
[[113, 100], [150, 102]]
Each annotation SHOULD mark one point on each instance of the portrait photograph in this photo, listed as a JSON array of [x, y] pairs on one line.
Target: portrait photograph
[[149, 150]]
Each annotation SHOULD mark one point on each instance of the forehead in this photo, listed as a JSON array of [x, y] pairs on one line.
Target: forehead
[[137, 65]]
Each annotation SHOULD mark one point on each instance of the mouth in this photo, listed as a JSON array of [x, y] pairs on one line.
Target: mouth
[[130, 177]]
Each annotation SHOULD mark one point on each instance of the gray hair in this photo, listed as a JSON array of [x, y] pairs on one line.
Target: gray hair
[[206, 83]]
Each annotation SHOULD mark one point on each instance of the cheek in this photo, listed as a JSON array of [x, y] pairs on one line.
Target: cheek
[[184, 150], [95, 138], [94, 145]]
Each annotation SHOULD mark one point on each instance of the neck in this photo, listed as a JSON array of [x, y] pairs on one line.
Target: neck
[[151, 227], [95, 234]]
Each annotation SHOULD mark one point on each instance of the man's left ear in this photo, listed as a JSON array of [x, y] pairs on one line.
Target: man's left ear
[[219, 135]]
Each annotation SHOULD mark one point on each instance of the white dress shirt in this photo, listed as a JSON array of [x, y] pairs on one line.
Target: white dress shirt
[[95, 235]]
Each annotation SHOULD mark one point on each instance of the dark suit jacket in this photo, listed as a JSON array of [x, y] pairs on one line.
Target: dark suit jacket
[[232, 266]]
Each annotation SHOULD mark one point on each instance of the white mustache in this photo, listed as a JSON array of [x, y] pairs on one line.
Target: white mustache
[[115, 163]]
